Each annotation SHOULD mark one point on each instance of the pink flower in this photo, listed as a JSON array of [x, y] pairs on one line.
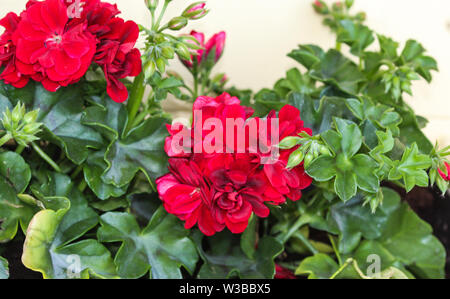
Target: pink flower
[[215, 44], [446, 177]]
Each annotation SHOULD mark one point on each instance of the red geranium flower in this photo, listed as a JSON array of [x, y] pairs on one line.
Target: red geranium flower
[[223, 188], [185, 192], [50, 50], [216, 43], [8, 53], [55, 42]]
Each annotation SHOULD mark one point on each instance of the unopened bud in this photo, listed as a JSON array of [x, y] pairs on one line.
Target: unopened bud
[[178, 23], [195, 11]]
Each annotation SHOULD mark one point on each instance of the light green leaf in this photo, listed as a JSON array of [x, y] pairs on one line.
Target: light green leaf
[[4, 270], [319, 266]]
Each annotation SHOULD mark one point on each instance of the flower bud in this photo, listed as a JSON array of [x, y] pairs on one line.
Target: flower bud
[[149, 69], [31, 129], [289, 142], [338, 6], [31, 117], [151, 4], [168, 52], [183, 52], [320, 7], [161, 64], [216, 44], [349, 3], [445, 176], [295, 158], [178, 23], [195, 11]]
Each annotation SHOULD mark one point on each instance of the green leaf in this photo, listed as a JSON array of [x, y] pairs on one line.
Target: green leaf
[[322, 169], [93, 169], [345, 185], [142, 149], [249, 238], [412, 50], [412, 168], [226, 259], [61, 114], [319, 266], [48, 245], [319, 119], [351, 137], [352, 220], [54, 260], [307, 55], [4, 270], [356, 35], [162, 247], [364, 168], [339, 71], [15, 174]]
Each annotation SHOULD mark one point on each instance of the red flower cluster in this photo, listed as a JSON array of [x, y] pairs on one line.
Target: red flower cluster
[[223, 189], [55, 43]]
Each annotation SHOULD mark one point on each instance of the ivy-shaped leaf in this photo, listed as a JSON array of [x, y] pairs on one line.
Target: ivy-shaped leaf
[[15, 175], [225, 258], [307, 55], [411, 169], [350, 171], [142, 149], [356, 35], [318, 266], [339, 71], [162, 247], [48, 245], [93, 169]]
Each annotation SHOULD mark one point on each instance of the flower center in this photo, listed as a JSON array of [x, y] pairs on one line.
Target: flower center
[[55, 39]]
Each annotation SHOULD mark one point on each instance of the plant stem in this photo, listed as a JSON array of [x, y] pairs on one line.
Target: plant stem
[[20, 149], [299, 223], [5, 139], [77, 171], [342, 268], [82, 186], [307, 243], [338, 46], [163, 11], [195, 85], [44, 156], [134, 102]]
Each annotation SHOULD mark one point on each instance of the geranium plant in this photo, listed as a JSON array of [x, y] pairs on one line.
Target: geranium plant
[[300, 180]]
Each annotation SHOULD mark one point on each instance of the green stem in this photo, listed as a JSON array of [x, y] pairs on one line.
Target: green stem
[[77, 171], [195, 85], [134, 102], [5, 139], [307, 243], [338, 46], [82, 186], [299, 223], [20, 149], [163, 11], [45, 157], [342, 268]]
